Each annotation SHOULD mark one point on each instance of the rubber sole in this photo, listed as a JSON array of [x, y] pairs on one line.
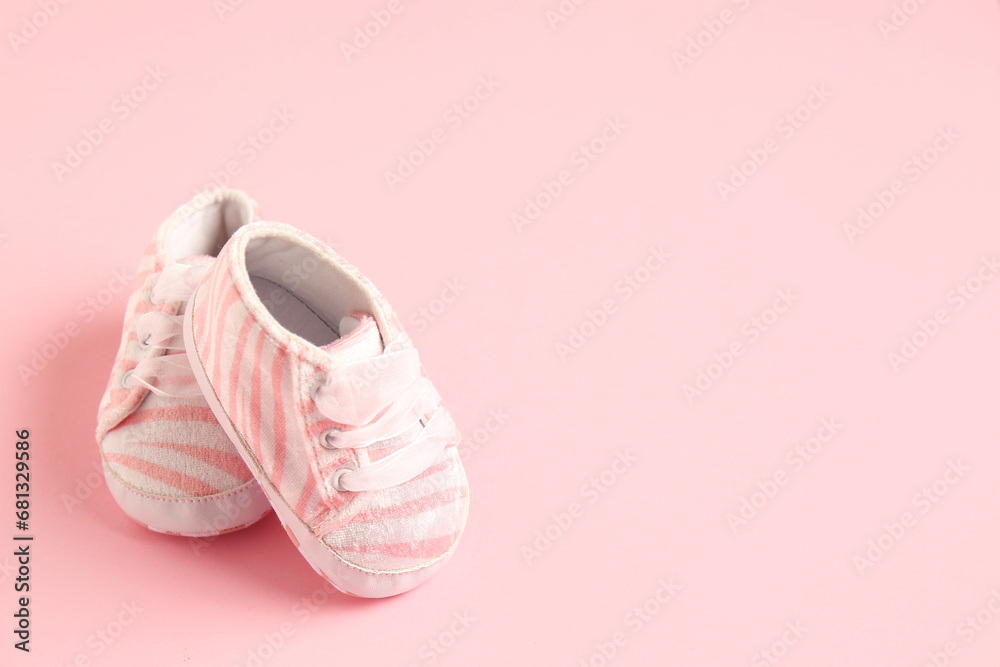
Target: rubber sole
[[206, 516]]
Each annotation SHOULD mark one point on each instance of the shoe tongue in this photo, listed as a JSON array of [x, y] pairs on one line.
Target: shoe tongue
[[359, 339], [179, 279]]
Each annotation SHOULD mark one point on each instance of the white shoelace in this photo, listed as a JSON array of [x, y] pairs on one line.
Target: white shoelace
[[374, 409], [168, 375], [379, 409]]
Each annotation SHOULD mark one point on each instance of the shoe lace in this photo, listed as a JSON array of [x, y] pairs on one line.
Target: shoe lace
[[168, 374], [377, 399]]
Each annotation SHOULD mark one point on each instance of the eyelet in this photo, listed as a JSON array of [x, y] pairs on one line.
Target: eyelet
[[318, 382], [328, 437], [126, 376], [333, 483], [144, 344]]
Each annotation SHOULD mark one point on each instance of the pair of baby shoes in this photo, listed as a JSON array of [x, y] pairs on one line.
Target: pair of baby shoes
[[259, 370]]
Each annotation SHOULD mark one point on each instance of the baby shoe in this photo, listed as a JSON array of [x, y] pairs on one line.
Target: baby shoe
[[313, 378], [168, 463]]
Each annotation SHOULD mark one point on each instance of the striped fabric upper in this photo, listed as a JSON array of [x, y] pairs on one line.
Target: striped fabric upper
[[168, 447], [174, 448], [264, 376]]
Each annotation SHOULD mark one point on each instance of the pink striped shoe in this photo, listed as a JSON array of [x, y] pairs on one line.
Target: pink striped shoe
[[315, 381], [167, 461]]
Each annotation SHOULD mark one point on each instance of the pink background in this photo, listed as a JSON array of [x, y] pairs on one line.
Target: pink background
[[494, 347]]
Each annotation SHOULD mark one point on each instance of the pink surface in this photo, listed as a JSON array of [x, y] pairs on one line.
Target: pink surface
[[793, 318]]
